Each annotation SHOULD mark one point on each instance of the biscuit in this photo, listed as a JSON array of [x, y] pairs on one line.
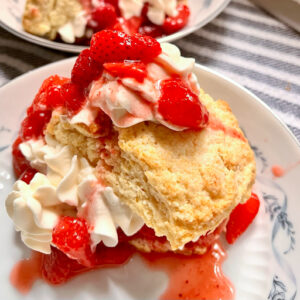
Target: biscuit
[[183, 184], [45, 17]]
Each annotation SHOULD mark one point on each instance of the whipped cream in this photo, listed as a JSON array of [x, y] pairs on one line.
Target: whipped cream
[[65, 185], [128, 102], [73, 29], [157, 10]]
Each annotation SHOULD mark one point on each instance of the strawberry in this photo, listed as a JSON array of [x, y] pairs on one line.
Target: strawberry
[[28, 175], [71, 236], [73, 97], [114, 3], [180, 106], [173, 24], [20, 164], [39, 113], [103, 16], [151, 30], [48, 96], [129, 26], [108, 256], [127, 69], [57, 267], [34, 124], [85, 69], [115, 46], [241, 217]]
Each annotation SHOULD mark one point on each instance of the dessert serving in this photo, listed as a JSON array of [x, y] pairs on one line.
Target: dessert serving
[[129, 156], [74, 21]]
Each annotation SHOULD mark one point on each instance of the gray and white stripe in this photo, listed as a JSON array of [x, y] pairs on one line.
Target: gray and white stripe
[[257, 51], [244, 43]]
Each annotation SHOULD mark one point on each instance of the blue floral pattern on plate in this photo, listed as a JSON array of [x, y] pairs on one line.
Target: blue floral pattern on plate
[[276, 203]]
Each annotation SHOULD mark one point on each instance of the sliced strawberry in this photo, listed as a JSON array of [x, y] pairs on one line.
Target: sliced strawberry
[[173, 24], [34, 124], [112, 256], [115, 46], [57, 267], [241, 217], [71, 236], [48, 96], [85, 69], [103, 16], [39, 113], [20, 164], [129, 26], [73, 97], [127, 69], [151, 30], [28, 174], [180, 106]]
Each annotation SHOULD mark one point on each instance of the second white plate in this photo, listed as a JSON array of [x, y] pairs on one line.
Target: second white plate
[[202, 12]]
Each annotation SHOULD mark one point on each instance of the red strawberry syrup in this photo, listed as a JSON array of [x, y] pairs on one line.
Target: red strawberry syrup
[[26, 272], [279, 171], [190, 277], [193, 277], [215, 124]]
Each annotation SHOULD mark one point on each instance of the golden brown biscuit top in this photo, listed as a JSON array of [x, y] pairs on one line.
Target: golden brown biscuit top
[[183, 184]]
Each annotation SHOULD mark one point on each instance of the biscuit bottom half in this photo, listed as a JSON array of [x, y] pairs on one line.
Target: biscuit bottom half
[[184, 184]]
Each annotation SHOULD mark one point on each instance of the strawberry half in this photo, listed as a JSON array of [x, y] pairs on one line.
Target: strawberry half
[[85, 69], [71, 236], [180, 106], [103, 16], [173, 24], [115, 46], [241, 217], [57, 267]]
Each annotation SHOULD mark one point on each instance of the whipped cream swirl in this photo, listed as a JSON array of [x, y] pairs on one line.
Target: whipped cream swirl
[[128, 102], [65, 185]]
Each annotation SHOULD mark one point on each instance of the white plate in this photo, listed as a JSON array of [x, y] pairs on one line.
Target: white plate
[[202, 12], [261, 263]]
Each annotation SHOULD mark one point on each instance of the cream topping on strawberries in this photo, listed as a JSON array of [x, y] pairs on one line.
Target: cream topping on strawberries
[[128, 102]]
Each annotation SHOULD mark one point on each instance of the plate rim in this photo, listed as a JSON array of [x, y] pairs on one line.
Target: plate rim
[[273, 119], [197, 65], [77, 48]]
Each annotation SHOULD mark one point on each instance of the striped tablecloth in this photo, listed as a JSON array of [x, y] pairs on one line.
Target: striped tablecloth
[[244, 43]]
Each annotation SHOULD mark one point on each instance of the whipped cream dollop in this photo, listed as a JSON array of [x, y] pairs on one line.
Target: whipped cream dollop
[[157, 9], [65, 184], [128, 102], [73, 29]]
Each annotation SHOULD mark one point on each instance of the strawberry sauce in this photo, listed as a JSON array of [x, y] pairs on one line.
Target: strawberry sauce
[[190, 277], [279, 171], [215, 124], [194, 277], [26, 272]]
